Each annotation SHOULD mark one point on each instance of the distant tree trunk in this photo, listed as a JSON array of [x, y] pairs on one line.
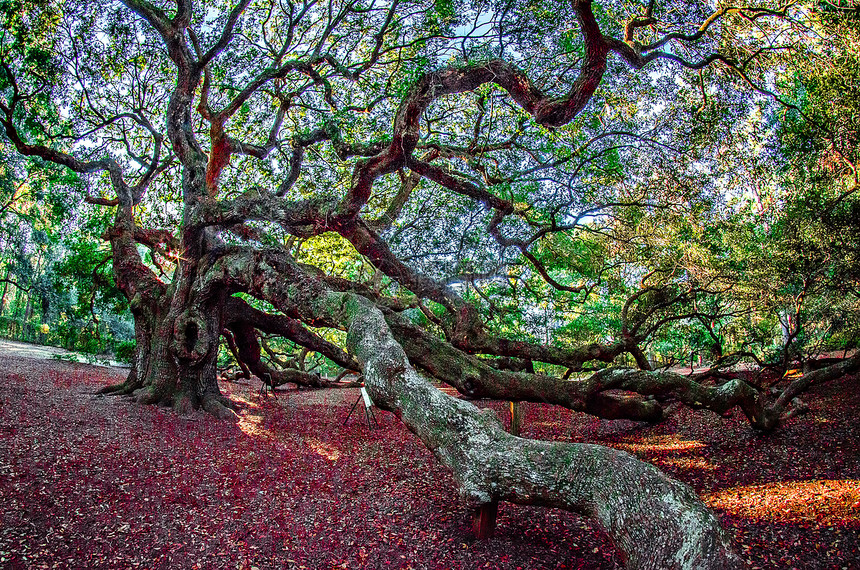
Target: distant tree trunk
[[28, 313], [16, 315], [3, 295]]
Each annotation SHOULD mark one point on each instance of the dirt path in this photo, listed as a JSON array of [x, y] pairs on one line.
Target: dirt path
[[15, 348], [89, 482]]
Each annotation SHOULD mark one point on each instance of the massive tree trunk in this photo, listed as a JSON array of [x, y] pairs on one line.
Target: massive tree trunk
[[177, 325], [175, 355], [196, 335]]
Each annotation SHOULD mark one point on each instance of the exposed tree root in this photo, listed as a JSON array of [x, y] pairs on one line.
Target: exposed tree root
[[762, 414], [123, 389], [147, 396], [220, 407]]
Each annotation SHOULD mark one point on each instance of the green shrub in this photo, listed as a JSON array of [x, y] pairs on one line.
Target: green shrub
[[125, 351]]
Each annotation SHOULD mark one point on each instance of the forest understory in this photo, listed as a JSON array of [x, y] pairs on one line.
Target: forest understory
[[102, 482]]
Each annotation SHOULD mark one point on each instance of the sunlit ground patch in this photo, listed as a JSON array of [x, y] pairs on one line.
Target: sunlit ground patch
[[825, 502], [688, 463], [245, 401], [252, 424], [658, 443], [324, 449], [245, 397]]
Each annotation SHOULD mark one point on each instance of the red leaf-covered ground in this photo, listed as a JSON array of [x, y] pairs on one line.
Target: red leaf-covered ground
[[88, 482]]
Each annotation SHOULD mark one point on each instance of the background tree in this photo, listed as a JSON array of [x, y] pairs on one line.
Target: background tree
[[57, 287]]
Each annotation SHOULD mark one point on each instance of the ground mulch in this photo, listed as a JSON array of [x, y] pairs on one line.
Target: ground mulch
[[101, 482]]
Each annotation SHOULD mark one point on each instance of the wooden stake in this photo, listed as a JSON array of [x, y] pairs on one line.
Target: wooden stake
[[516, 418], [484, 523]]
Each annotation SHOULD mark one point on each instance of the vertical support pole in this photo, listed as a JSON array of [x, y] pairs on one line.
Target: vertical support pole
[[484, 522], [352, 409], [516, 418]]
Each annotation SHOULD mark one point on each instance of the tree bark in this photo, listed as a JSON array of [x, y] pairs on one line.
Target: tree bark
[[196, 336], [475, 378], [177, 326], [3, 295], [244, 321]]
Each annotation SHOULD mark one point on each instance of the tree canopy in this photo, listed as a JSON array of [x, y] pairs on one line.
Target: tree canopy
[[522, 199]]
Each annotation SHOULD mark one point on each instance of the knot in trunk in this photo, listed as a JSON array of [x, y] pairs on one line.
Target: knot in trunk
[[192, 338]]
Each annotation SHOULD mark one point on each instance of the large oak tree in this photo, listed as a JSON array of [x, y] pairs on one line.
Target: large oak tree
[[425, 177]]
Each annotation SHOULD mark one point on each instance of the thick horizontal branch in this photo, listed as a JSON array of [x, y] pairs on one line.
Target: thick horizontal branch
[[475, 378], [15, 283], [301, 217], [238, 311], [154, 238], [99, 201], [459, 185], [762, 415], [53, 155]]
